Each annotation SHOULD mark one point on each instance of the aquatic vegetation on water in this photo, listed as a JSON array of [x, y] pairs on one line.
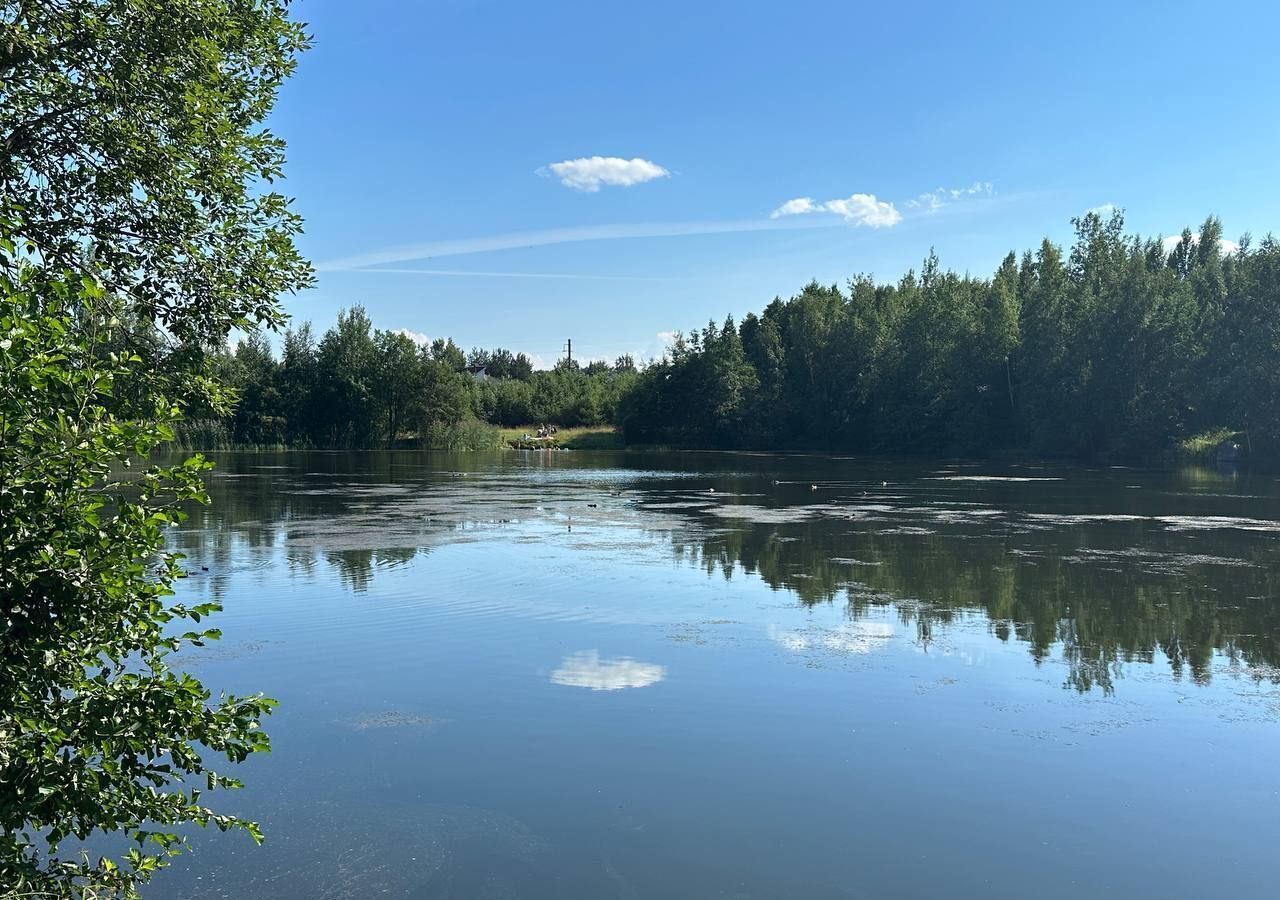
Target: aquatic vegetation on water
[[389, 719]]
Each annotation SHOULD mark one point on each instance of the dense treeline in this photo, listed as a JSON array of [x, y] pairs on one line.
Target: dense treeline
[[358, 386], [1117, 348]]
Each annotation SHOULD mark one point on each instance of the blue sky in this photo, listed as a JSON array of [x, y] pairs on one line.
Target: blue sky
[[442, 153]]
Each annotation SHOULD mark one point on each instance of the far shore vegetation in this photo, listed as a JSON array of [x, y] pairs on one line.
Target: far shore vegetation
[[1119, 348]]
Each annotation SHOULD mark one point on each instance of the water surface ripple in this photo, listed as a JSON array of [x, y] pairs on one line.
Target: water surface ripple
[[579, 675]]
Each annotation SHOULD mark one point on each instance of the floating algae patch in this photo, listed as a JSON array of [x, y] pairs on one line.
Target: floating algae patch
[[604, 476], [1173, 523], [719, 494], [407, 850], [391, 718], [1264, 672], [379, 490], [366, 533], [856, 638], [1052, 519], [1009, 478], [443, 515], [1155, 560], [765, 514], [216, 651], [1193, 523]]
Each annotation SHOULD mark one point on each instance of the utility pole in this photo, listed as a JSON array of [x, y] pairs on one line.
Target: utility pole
[[569, 349]]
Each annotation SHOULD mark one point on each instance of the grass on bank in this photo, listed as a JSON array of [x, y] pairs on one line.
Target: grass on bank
[[1204, 446], [470, 434], [595, 437]]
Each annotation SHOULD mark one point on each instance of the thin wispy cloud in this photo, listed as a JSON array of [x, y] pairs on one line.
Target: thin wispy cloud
[[856, 209], [471, 273], [547, 237], [590, 173], [1105, 211], [802, 212], [932, 201]]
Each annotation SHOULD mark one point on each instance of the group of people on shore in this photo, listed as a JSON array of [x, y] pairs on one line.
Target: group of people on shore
[[545, 431]]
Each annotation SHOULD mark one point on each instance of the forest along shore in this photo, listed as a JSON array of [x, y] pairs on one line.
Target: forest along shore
[[1119, 348]]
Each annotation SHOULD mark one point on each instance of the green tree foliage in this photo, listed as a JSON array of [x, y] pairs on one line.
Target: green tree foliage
[[347, 382], [361, 387], [446, 351], [1246, 386], [132, 129], [1116, 348], [501, 363], [138, 226], [357, 387], [567, 395], [97, 733]]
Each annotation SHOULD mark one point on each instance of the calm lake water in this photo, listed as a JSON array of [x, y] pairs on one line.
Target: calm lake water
[[584, 675]]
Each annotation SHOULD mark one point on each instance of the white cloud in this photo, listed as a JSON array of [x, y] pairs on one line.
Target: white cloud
[[590, 173], [857, 209], [865, 209], [416, 336], [1103, 212], [932, 201], [1224, 245], [798, 206], [666, 338], [586, 669]]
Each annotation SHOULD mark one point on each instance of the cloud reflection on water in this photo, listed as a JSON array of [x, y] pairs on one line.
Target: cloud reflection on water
[[586, 669]]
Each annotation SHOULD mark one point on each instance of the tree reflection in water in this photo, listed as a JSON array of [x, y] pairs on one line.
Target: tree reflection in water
[[1181, 572]]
